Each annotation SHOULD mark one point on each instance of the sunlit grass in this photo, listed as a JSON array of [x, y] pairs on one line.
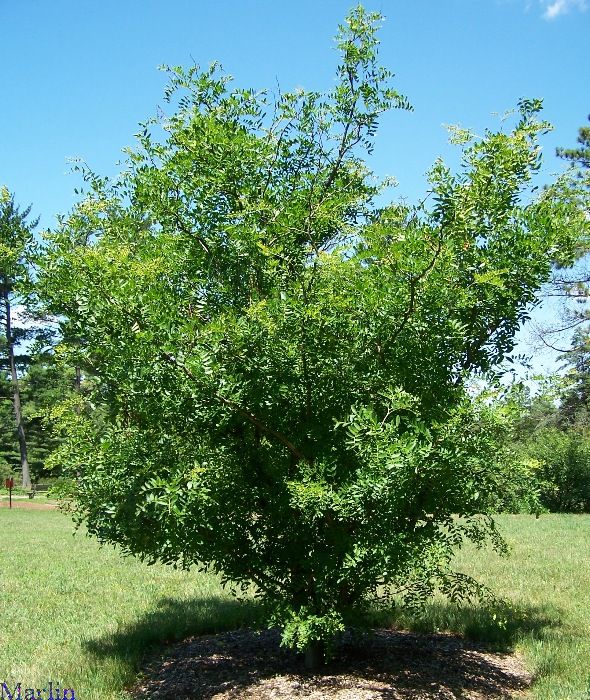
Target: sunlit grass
[[546, 583], [84, 616], [73, 613]]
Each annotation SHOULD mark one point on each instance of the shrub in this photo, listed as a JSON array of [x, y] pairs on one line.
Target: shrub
[[564, 471]]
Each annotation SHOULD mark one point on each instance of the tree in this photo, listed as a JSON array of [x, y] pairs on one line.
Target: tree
[[579, 156], [575, 397], [8, 440], [549, 435], [563, 472], [571, 283], [43, 383], [281, 365], [16, 238]]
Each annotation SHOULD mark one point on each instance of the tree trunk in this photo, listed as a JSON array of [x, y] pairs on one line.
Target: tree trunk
[[315, 655], [18, 417]]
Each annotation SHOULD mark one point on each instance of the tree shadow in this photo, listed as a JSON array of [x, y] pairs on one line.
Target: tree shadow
[[498, 627], [386, 664], [173, 620]]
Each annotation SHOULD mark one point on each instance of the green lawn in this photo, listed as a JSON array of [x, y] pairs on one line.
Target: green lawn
[[83, 616], [546, 583], [547, 578]]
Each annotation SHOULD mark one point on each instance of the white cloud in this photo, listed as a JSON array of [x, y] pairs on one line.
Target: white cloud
[[555, 8]]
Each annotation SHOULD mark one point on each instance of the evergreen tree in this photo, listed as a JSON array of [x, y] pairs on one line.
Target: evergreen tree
[[572, 282], [579, 156], [44, 383], [16, 242]]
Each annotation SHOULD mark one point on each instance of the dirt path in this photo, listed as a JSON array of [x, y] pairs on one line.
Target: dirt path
[[28, 504]]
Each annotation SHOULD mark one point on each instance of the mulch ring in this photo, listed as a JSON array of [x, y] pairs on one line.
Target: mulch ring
[[32, 505], [387, 665]]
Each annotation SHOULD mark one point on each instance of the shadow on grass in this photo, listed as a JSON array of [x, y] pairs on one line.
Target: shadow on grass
[[498, 628], [172, 621], [386, 664]]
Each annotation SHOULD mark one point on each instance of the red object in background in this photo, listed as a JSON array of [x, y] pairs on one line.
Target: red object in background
[[9, 485]]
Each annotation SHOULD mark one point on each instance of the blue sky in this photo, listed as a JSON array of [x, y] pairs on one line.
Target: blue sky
[[77, 77]]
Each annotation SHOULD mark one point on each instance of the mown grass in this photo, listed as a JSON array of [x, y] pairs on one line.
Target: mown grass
[[546, 584], [20, 495], [84, 616]]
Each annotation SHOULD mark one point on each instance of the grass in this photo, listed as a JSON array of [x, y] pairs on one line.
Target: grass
[[549, 575], [546, 583], [84, 616], [20, 494]]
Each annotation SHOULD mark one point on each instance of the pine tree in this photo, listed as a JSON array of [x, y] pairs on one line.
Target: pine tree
[[580, 156], [16, 241]]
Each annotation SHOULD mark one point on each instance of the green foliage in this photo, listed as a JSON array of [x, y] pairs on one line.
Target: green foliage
[[279, 365], [564, 469], [573, 284], [522, 486], [575, 397], [62, 489], [44, 383], [8, 442], [507, 415], [39, 380], [579, 156], [548, 437], [16, 239], [6, 471], [16, 247]]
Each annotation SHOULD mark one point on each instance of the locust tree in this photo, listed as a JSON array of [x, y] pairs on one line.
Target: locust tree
[[280, 360]]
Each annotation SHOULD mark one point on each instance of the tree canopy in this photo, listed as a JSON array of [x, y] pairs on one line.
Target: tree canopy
[[280, 361]]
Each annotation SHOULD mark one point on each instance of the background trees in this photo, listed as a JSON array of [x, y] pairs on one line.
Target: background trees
[[552, 428], [16, 237], [281, 365], [548, 434], [32, 382], [579, 155], [570, 284], [44, 384]]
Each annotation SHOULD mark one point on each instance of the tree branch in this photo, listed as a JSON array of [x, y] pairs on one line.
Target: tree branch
[[180, 223], [250, 417], [553, 347], [414, 281]]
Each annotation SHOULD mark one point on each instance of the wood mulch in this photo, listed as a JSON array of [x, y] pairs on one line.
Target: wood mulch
[[386, 665]]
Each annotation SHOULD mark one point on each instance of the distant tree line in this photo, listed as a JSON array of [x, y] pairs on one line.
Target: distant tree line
[[550, 429], [32, 380]]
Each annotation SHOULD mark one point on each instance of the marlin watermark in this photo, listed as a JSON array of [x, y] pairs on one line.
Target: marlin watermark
[[17, 691]]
